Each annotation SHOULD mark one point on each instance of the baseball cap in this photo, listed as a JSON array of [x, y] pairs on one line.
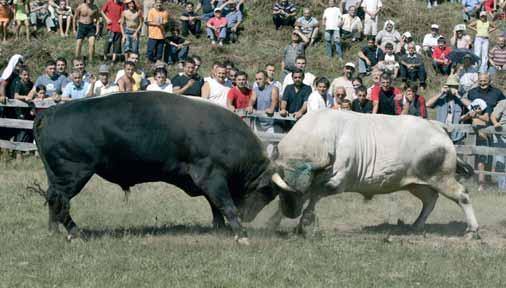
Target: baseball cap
[[349, 64], [217, 9], [434, 26], [483, 13], [460, 27], [103, 69], [407, 34]]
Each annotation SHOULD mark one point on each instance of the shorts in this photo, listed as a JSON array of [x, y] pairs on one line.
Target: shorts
[[4, 20], [86, 31]]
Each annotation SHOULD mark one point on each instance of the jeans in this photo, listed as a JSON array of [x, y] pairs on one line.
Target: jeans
[[362, 66], [481, 50], [413, 74], [187, 27], [114, 42], [221, 36], [36, 18], [131, 44], [206, 16], [333, 36], [174, 55], [155, 49], [440, 68]]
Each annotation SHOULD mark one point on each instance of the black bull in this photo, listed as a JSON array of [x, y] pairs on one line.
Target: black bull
[[131, 138]]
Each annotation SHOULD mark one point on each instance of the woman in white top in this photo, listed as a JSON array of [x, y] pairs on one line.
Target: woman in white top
[[214, 89], [161, 82], [320, 98]]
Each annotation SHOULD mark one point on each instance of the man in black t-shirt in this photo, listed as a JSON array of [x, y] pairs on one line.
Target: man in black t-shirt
[[189, 83], [176, 47], [295, 96], [361, 104], [190, 21], [369, 56]]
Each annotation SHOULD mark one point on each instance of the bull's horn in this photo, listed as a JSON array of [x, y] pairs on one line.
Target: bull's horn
[[281, 183]]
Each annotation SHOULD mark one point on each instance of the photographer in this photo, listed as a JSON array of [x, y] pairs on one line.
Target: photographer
[[449, 106]]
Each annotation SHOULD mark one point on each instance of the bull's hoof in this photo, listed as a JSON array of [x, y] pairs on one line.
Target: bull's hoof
[[74, 234], [472, 235], [244, 241]]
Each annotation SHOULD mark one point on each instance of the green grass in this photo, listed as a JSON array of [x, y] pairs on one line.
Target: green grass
[[163, 238]]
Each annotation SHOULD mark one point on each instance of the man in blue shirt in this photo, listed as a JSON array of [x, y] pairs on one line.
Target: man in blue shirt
[[52, 81], [470, 8], [76, 89], [234, 19]]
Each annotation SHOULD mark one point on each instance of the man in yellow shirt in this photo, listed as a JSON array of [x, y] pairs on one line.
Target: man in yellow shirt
[[158, 17]]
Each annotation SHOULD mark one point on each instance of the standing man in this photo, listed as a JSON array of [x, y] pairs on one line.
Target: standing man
[[372, 9], [86, 24], [158, 17], [131, 25], [483, 28], [111, 11], [332, 21]]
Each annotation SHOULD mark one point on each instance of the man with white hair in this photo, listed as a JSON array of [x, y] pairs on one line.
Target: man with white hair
[[308, 25]]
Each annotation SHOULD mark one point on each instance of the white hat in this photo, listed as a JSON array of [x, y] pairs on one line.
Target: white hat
[[349, 64], [483, 13], [434, 26], [477, 102], [460, 27], [217, 9], [407, 35]]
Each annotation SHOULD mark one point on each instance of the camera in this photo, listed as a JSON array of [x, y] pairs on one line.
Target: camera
[[475, 107]]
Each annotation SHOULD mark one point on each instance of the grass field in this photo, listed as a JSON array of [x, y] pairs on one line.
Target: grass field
[[163, 238]]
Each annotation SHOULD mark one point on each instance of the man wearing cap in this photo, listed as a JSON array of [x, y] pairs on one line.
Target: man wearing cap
[[440, 57], [297, 47], [283, 13], [497, 56], [460, 39], [448, 105], [430, 40], [217, 27], [470, 8], [102, 86], [111, 11], [483, 28], [345, 81], [407, 38]]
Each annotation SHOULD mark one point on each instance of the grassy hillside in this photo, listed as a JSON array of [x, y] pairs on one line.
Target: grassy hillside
[[260, 43]]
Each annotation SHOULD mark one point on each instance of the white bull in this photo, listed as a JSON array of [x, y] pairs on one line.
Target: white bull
[[330, 152]]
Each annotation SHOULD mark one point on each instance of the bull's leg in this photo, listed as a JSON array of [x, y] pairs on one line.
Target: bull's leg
[[308, 216], [428, 197], [218, 221], [59, 206], [216, 188], [455, 191], [52, 222]]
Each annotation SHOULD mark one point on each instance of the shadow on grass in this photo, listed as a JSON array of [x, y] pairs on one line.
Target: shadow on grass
[[454, 228], [174, 230]]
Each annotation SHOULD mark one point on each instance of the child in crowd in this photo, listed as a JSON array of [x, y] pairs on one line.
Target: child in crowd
[[21, 12], [64, 14], [5, 18]]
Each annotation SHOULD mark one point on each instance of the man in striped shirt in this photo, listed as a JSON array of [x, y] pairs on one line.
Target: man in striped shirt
[[283, 13], [497, 56]]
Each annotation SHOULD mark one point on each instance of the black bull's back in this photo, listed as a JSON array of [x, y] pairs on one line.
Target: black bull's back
[[131, 138]]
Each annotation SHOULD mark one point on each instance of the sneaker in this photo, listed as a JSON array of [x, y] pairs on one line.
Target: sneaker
[[213, 42], [221, 43]]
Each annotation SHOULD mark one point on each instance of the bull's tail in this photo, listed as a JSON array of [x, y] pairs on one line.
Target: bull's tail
[[464, 168]]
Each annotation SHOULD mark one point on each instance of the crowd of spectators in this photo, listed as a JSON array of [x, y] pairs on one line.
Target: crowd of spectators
[[391, 59]]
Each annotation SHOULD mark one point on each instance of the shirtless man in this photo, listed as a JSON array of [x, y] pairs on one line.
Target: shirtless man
[[127, 82], [131, 25], [86, 20]]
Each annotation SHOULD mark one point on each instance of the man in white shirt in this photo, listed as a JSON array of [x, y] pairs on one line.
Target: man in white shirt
[[332, 21], [371, 9], [430, 40], [103, 86], [300, 63], [352, 25]]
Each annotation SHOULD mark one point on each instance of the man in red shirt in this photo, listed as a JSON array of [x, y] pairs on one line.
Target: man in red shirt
[[384, 97], [240, 96], [111, 11], [217, 27], [440, 60]]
